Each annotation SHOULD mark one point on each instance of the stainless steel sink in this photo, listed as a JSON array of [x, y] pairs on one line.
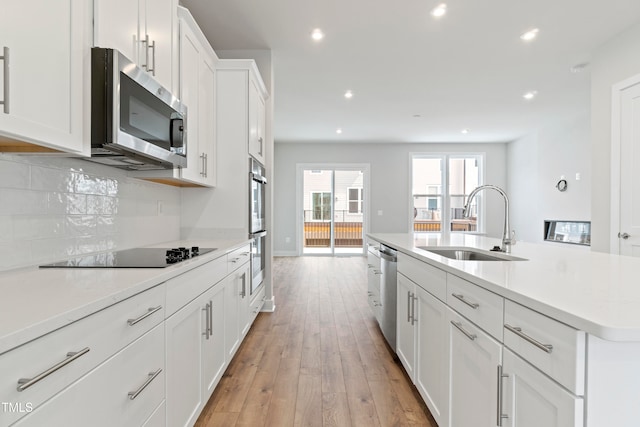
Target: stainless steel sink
[[470, 254]]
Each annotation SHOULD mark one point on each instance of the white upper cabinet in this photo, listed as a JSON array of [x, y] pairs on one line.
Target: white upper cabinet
[[45, 49], [257, 111], [197, 90], [143, 30]]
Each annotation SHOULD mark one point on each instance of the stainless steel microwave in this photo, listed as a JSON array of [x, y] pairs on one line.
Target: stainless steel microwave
[[135, 122]]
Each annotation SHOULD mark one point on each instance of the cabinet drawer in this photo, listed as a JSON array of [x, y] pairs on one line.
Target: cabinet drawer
[[75, 350], [429, 278], [123, 391], [373, 261], [186, 287], [553, 347], [256, 304], [238, 258], [482, 307]]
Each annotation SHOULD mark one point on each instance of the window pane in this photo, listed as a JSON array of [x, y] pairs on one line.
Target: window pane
[[464, 176], [427, 194]]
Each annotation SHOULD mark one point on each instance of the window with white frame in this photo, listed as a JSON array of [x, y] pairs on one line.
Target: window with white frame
[[441, 184], [354, 198], [320, 206]]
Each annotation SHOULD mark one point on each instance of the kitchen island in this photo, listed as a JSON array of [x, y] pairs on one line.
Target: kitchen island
[[551, 339]]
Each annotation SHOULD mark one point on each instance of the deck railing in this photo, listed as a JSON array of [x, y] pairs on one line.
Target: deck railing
[[347, 229]]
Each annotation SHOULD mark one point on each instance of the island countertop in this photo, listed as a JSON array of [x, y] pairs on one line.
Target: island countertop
[[595, 292]]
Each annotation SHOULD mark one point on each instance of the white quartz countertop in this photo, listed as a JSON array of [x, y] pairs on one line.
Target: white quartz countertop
[[595, 292], [34, 301]]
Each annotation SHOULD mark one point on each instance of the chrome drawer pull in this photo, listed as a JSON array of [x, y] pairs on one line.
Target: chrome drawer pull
[[152, 376], [25, 383], [469, 335], [547, 348], [501, 376], [473, 305], [149, 312], [6, 66]]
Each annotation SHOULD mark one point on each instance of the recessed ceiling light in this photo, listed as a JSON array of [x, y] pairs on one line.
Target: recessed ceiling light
[[417, 116], [578, 68], [465, 131], [530, 35], [439, 11], [317, 34], [339, 131], [348, 94], [530, 95]]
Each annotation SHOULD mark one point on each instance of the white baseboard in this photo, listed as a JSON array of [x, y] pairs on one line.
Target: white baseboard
[[269, 305], [285, 253]]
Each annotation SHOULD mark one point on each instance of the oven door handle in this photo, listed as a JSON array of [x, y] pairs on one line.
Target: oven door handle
[[258, 234], [258, 178]]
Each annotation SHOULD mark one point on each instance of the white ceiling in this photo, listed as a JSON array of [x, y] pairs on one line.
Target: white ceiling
[[468, 69]]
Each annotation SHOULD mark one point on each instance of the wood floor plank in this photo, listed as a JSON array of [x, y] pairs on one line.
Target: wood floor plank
[[309, 401], [319, 360], [335, 410]]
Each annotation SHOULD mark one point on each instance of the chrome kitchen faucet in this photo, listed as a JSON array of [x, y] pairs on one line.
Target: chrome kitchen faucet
[[508, 236]]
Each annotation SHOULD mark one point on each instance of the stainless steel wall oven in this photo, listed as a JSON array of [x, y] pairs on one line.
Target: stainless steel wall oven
[[257, 223]]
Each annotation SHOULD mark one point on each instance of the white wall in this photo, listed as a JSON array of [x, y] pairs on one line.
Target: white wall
[[390, 182], [535, 164], [616, 60], [55, 208]]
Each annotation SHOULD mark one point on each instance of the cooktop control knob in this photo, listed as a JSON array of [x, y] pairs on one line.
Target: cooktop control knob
[[195, 251]]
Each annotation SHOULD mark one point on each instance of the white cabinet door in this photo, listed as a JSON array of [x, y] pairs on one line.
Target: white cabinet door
[[117, 26], [405, 336], [160, 20], [231, 316], [256, 122], [243, 277], [206, 120], [45, 42], [142, 30], [474, 361], [531, 399], [432, 354], [213, 347], [184, 338]]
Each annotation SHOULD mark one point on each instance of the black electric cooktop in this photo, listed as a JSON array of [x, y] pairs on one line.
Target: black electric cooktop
[[133, 258]]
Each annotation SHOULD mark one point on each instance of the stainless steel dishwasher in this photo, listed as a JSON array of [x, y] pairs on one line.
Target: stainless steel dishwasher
[[388, 296]]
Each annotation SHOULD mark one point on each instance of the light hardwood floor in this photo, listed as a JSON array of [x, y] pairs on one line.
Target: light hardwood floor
[[318, 360]]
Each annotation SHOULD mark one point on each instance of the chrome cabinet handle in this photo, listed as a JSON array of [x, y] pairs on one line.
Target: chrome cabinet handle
[[145, 43], [461, 297], [414, 319], [500, 415], [149, 312], [409, 306], [469, 335], [377, 272], [6, 67], [208, 330], [547, 348], [152, 376], [210, 318], [152, 46], [260, 141], [624, 236], [204, 165], [25, 383]]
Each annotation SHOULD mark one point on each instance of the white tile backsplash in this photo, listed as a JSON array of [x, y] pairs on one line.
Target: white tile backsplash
[[54, 208]]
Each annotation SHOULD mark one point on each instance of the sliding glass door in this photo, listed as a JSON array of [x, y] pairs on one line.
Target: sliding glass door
[[333, 211]]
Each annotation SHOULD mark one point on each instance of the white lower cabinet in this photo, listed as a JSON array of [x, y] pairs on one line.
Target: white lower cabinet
[[130, 386], [422, 338], [185, 341], [432, 357], [474, 361], [213, 348], [531, 399], [405, 332]]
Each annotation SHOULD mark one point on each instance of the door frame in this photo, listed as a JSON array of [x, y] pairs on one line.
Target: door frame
[[366, 194], [616, 147]]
